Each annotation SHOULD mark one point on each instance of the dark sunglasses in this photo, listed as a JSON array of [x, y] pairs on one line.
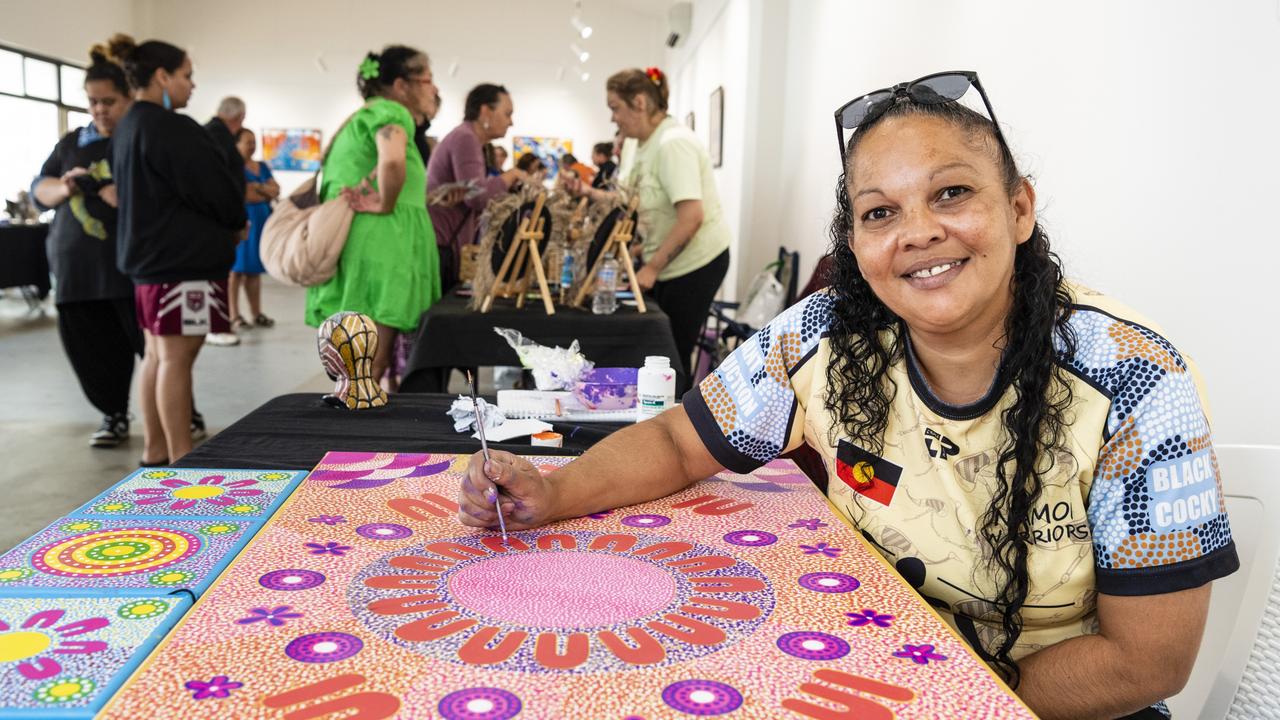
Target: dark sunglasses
[[932, 89]]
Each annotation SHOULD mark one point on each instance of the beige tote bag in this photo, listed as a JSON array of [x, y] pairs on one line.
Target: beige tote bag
[[303, 238]]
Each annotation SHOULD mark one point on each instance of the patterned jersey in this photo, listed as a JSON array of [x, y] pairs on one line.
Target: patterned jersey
[[1132, 505]]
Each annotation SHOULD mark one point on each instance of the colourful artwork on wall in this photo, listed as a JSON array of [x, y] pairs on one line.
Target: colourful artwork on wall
[[365, 594], [64, 657], [548, 149], [296, 149]]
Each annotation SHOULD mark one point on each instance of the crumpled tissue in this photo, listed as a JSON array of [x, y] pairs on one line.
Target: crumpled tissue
[[464, 415]]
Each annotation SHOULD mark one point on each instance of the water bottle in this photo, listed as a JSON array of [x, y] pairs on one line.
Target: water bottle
[[605, 300], [655, 387], [566, 273]]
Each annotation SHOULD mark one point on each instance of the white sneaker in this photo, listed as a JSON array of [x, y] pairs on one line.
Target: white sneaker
[[222, 339]]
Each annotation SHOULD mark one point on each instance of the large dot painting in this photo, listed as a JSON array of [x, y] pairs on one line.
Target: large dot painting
[[741, 597]]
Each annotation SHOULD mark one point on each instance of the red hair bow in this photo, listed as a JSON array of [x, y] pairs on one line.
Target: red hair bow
[[654, 74]]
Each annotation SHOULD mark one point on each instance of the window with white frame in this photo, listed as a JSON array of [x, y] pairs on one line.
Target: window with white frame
[[41, 98]]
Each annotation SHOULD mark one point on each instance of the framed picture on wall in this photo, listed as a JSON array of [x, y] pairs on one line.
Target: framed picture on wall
[[297, 149], [688, 121], [548, 149], [715, 126]]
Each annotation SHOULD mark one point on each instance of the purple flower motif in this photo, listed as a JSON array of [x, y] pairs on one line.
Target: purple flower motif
[[811, 524], [218, 687], [869, 617], [274, 616], [821, 549], [600, 515], [329, 548], [919, 654], [327, 519]]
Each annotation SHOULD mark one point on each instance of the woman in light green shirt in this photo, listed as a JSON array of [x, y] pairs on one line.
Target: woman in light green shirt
[[686, 240]]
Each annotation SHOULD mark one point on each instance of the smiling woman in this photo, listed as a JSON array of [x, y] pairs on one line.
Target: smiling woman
[[1007, 439]]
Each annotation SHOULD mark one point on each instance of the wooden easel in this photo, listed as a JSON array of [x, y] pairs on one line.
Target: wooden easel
[[524, 252], [618, 240]]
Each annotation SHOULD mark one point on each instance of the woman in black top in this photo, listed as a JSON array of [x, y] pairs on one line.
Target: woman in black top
[[96, 319], [606, 168], [180, 214]]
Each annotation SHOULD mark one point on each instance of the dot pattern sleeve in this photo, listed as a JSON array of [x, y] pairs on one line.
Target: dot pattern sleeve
[[1156, 508], [748, 411]]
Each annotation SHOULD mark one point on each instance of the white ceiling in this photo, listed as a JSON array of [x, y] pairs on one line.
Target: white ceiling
[[652, 8]]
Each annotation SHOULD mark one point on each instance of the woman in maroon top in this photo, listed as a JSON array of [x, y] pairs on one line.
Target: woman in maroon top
[[460, 158]]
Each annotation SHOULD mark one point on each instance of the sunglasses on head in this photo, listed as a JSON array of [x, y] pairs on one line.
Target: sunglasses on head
[[929, 90]]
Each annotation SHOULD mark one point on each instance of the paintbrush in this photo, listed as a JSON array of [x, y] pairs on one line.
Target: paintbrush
[[484, 449]]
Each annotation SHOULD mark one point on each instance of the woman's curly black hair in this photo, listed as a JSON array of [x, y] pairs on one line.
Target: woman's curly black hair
[[867, 338]]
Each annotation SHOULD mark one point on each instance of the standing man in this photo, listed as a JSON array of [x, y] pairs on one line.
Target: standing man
[[224, 127]]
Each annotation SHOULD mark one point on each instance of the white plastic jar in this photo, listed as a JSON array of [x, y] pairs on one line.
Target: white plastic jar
[[655, 387]]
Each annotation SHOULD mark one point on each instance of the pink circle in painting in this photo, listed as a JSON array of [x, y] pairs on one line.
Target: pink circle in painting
[[548, 589]]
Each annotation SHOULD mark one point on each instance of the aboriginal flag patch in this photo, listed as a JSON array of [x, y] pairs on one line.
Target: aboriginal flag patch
[[870, 476]]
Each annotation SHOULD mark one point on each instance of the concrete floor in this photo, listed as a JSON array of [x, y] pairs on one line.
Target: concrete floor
[[48, 468]]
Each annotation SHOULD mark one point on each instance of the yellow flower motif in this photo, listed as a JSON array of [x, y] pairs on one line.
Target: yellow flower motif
[[11, 574], [142, 609], [219, 529], [158, 474], [81, 526], [64, 690], [172, 577], [275, 476], [242, 509]]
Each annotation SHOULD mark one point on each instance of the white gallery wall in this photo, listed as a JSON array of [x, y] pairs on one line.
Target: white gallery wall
[[1149, 127], [294, 62], [715, 56], [47, 27]]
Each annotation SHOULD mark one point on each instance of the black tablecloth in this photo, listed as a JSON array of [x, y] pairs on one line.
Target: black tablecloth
[[293, 432], [452, 336], [22, 257]]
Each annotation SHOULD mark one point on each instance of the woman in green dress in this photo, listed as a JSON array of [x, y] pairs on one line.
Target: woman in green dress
[[389, 268]]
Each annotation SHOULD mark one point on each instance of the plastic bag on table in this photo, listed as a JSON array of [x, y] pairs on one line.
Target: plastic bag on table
[[554, 368]]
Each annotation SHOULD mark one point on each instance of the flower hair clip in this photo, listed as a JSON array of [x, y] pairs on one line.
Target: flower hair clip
[[655, 75], [370, 68]]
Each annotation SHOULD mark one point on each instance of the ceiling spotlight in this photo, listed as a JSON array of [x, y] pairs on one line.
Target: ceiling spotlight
[[581, 54], [582, 73], [584, 30]]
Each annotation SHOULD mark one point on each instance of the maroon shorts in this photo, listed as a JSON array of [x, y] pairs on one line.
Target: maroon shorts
[[191, 307]]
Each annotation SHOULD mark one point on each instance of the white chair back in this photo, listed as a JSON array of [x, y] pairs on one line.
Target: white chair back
[[1239, 601]]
